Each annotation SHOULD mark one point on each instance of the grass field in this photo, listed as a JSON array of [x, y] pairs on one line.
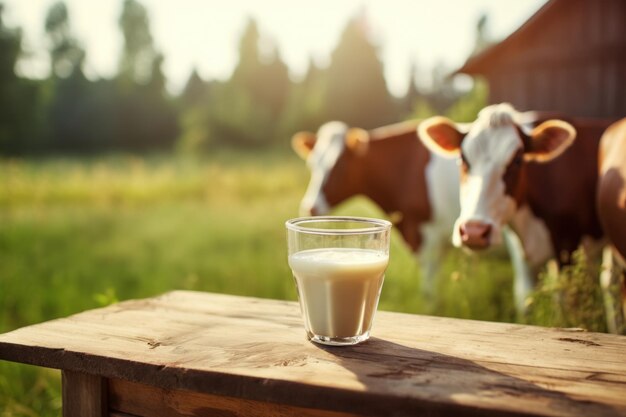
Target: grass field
[[81, 233]]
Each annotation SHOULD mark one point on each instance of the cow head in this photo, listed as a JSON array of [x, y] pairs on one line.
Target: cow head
[[493, 153], [330, 155]]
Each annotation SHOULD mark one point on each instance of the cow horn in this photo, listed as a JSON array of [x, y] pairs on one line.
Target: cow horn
[[302, 143], [357, 140]]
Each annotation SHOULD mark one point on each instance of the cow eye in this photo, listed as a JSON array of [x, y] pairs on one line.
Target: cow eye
[[518, 159], [465, 166]]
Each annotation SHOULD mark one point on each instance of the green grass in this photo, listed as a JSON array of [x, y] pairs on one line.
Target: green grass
[[77, 234]]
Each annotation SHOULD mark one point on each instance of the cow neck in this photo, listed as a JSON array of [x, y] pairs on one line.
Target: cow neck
[[395, 130], [561, 192], [380, 176], [533, 234], [364, 178]]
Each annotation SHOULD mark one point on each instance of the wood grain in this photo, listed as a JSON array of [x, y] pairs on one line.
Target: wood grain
[[255, 349], [145, 401], [84, 395]]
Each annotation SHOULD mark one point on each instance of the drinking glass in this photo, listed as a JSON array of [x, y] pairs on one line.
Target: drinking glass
[[338, 264]]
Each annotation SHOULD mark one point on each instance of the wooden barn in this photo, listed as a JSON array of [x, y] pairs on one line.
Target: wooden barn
[[569, 57]]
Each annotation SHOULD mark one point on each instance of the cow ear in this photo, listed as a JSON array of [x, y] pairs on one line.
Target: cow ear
[[440, 135], [303, 143], [549, 140], [357, 140]]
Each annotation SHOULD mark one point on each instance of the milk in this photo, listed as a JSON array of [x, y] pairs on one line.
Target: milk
[[338, 289]]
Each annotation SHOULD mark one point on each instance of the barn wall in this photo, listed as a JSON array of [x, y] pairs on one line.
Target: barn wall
[[574, 61]]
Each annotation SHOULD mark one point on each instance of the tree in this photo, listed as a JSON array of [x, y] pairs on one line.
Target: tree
[[305, 106], [195, 92], [312, 101], [249, 64], [162, 116], [193, 103], [20, 116], [265, 78], [156, 82], [145, 116], [10, 49], [246, 110], [272, 83], [482, 40], [138, 53], [357, 92], [412, 95], [76, 104], [66, 54]]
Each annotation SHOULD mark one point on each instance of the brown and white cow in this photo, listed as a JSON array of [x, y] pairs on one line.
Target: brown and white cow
[[393, 168], [533, 178], [611, 202]]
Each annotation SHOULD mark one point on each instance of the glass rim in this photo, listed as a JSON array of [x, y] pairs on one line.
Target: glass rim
[[373, 225]]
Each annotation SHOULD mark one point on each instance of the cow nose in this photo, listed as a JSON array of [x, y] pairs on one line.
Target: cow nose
[[309, 211], [306, 210], [475, 234]]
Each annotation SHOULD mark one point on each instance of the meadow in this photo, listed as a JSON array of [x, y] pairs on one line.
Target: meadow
[[79, 233]]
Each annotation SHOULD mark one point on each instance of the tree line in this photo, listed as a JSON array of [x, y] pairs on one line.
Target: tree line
[[258, 106]]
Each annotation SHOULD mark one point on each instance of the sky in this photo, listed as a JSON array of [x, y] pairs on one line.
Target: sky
[[204, 34]]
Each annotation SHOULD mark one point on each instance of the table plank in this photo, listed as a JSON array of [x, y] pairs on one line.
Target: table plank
[[255, 349], [146, 401]]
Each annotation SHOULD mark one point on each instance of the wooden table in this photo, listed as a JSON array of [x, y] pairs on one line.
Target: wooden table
[[200, 354]]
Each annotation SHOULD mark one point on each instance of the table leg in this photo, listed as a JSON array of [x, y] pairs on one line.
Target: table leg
[[84, 395]]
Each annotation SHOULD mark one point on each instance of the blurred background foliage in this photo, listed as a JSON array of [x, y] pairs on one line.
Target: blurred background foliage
[[259, 106]]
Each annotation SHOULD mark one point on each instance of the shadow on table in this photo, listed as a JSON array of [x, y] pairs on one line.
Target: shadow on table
[[430, 383]]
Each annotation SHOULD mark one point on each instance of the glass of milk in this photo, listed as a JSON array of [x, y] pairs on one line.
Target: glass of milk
[[339, 265]]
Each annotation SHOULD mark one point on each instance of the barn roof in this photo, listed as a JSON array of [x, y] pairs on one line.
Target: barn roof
[[479, 63]]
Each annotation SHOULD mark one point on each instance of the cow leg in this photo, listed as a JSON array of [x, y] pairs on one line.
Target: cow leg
[[524, 276], [426, 242], [410, 233], [594, 251], [613, 283], [623, 297], [530, 246], [430, 258]]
